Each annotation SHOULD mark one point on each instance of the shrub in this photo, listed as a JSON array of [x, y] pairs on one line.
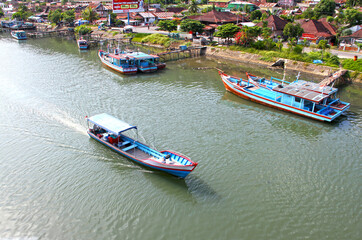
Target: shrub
[[82, 30], [157, 39], [352, 65]]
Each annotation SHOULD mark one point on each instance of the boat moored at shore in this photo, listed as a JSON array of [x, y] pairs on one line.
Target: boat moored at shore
[[82, 44], [19, 35], [110, 131], [118, 62], [304, 98]]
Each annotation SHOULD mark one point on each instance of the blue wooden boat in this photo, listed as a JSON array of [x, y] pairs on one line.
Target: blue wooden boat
[[19, 35], [82, 44], [304, 98], [119, 62], [144, 62], [111, 132]]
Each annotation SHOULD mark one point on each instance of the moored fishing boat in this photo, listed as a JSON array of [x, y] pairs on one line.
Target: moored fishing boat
[[119, 62], [110, 131], [82, 44], [304, 98], [19, 35]]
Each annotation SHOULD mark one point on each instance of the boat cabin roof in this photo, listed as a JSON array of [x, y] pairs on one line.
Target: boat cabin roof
[[315, 87], [140, 55], [110, 123], [120, 56], [300, 92]]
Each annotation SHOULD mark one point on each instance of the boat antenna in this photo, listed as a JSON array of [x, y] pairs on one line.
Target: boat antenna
[[298, 76]]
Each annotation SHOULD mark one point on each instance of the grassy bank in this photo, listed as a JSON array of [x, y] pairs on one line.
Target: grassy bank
[[271, 56]]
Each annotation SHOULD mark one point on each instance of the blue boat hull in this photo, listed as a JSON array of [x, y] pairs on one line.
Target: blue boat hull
[[182, 173]]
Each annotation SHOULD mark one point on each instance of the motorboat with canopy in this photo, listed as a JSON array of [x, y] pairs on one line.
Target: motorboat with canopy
[[110, 131]]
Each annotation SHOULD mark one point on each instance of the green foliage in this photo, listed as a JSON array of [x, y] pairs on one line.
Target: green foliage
[[1, 12], [168, 25], [293, 30], [330, 19], [64, 2], [55, 16], [298, 49], [113, 18], [193, 7], [324, 7], [255, 15], [352, 16], [188, 25], [227, 30], [22, 14], [157, 39], [119, 23], [137, 37], [68, 16], [82, 30], [89, 14], [350, 64]]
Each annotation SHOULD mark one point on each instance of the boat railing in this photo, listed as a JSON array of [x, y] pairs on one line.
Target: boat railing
[[180, 154], [278, 80]]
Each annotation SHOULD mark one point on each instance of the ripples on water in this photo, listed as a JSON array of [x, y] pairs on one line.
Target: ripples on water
[[262, 173]]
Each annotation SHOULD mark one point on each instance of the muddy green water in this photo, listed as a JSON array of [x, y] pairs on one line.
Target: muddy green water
[[262, 173]]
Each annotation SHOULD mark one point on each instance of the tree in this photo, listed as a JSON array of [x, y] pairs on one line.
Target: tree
[[293, 30], [68, 16], [189, 25], [89, 14], [246, 35], [330, 19], [323, 44], [266, 32], [22, 14], [193, 7], [227, 31], [168, 25], [82, 30], [55, 16], [63, 2], [352, 16], [255, 15], [324, 7], [113, 17], [1, 12]]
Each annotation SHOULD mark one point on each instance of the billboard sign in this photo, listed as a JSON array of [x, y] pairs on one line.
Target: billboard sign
[[123, 6]]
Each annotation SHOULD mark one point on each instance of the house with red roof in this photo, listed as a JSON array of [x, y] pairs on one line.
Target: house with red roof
[[276, 24], [215, 17], [315, 30]]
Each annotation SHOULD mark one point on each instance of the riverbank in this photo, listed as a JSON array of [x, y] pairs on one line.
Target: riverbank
[[305, 67]]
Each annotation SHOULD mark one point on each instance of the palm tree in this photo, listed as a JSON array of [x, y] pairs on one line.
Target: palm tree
[[89, 14], [193, 7]]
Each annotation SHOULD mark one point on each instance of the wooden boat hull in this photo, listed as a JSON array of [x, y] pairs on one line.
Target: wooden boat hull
[[131, 70], [177, 170], [243, 93]]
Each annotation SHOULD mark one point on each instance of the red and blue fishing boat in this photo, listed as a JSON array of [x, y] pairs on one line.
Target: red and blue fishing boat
[[119, 62], [301, 97], [82, 44], [111, 132]]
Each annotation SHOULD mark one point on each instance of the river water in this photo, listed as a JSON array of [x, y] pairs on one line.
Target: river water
[[262, 173]]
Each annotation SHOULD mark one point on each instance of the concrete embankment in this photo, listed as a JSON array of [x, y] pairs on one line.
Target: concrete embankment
[[254, 58]]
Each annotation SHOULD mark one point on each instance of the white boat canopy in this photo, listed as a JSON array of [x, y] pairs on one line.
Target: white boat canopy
[[111, 124]]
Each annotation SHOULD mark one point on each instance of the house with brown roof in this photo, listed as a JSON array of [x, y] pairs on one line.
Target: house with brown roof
[[276, 24], [315, 30], [271, 7], [215, 17]]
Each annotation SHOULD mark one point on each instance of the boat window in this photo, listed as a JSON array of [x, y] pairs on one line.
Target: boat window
[[123, 62], [297, 99]]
